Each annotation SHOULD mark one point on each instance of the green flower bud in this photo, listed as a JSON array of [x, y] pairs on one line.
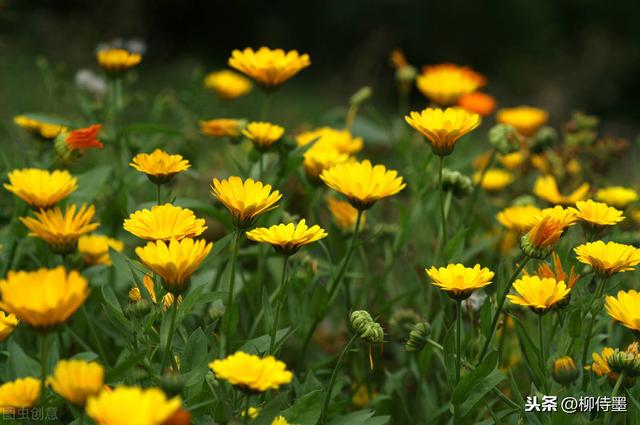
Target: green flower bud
[[361, 96], [532, 251], [406, 75], [544, 138], [172, 383], [418, 337], [565, 370], [456, 183], [403, 320], [624, 362], [524, 200], [367, 328], [504, 139], [137, 309]]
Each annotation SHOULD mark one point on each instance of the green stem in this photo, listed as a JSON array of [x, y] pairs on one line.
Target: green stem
[[158, 198], [264, 112], [594, 315], [614, 393], [261, 164], [443, 218], [325, 407], [172, 327], [503, 296], [458, 354], [232, 282], [542, 354], [247, 405], [94, 334], [281, 295], [44, 360]]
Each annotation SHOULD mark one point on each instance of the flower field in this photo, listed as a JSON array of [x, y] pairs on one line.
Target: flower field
[[455, 261]]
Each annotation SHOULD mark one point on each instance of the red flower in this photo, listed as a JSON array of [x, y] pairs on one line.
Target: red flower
[[84, 138]]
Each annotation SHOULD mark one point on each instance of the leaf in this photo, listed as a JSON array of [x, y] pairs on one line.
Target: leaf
[[113, 308], [306, 410], [19, 363], [271, 410], [531, 353], [260, 345], [360, 417], [454, 245], [151, 128], [476, 384], [485, 318], [89, 184], [449, 346], [194, 359], [319, 302], [122, 369]]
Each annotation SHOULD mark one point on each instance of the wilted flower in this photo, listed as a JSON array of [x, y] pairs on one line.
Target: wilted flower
[[287, 238], [246, 199], [443, 128], [459, 281], [445, 83], [228, 85], [538, 294], [252, 373], [608, 258], [132, 405], [268, 67], [525, 119], [23, 393], [41, 189], [77, 380], [617, 196], [164, 222], [263, 134], [546, 188], [76, 142], [159, 166], [95, 248]]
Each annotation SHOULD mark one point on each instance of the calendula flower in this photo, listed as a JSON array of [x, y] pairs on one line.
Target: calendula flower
[[525, 119], [597, 215], [228, 85], [61, 231], [164, 222], [280, 420], [625, 308], [252, 373], [344, 214], [518, 217], [41, 189], [600, 366], [608, 258], [617, 196], [545, 271], [253, 412], [43, 298], [444, 84], [269, 67], [131, 405], [482, 104], [159, 166], [41, 129], [494, 179], [77, 380], [362, 183], [8, 323], [443, 128], [512, 161], [547, 228], [318, 159], [95, 248], [167, 300], [22, 393], [221, 127], [287, 239], [174, 261], [538, 294], [331, 139], [117, 61], [84, 138], [263, 134], [546, 188], [459, 281], [246, 199]]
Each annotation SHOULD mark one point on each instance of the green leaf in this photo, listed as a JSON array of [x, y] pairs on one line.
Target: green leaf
[[485, 318], [449, 346], [476, 384], [306, 410], [531, 353], [271, 410], [89, 184], [260, 345], [454, 245], [195, 357], [360, 417], [123, 368], [19, 364], [575, 323], [319, 302], [112, 306]]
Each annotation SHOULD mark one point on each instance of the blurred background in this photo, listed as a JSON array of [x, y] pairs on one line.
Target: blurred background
[[561, 55]]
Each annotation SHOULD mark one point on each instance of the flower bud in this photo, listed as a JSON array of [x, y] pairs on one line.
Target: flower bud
[[403, 320], [565, 370], [626, 362], [367, 328], [172, 383], [137, 309], [359, 97], [504, 139], [544, 138], [406, 75], [418, 337], [532, 251], [457, 183]]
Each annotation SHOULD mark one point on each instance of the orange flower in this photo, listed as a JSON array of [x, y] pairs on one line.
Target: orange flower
[[84, 138], [478, 102], [547, 229], [545, 270]]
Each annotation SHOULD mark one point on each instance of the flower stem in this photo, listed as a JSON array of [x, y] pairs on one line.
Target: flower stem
[[44, 360], [247, 405], [172, 327], [158, 198], [261, 165], [232, 281], [443, 218], [332, 381], [614, 393], [94, 334], [542, 354], [503, 296], [458, 352], [587, 341], [280, 297]]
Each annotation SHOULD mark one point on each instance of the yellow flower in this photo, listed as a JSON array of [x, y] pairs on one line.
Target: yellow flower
[[625, 308], [287, 238], [362, 183], [252, 373], [445, 83], [221, 127], [253, 412], [117, 61], [280, 420], [494, 179], [443, 128], [43, 298], [42, 129], [245, 200], [525, 119], [546, 188], [608, 258], [596, 215], [167, 300], [8, 323], [174, 261], [61, 231], [344, 214], [518, 217], [77, 380], [538, 294], [547, 228], [617, 196], [159, 166], [228, 85], [362, 395], [131, 405], [318, 159], [19, 394], [600, 365], [95, 248], [164, 222], [331, 139], [268, 67], [263, 134], [512, 161], [459, 281], [41, 189]]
